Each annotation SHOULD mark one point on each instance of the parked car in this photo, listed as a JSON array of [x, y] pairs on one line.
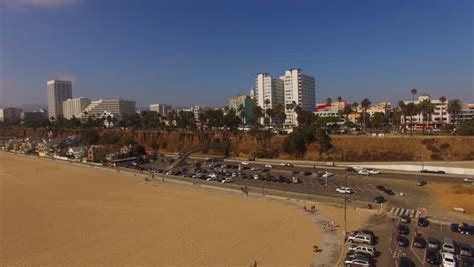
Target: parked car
[[350, 169], [357, 260], [423, 221], [419, 242], [434, 243], [465, 250], [402, 241], [307, 173], [268, 166], [344, 190], [359, 237], [389, 192], [245, 163], [288, 165], [363, 248], [406, 262], [468, 180], [448, 259], [327, 175], [227, 180], [403, 229], [448, 245], [405, 219], [433, 257], [256, 177], [462, 228], [364, 172], [379, 199]]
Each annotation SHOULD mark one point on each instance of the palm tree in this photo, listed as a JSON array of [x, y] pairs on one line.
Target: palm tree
[[426, 108], [339, 99], [365, 105], [413, 92], [257, 113], [442, 100], [455, 107], [329, 100], [403, 110], [241, 111]]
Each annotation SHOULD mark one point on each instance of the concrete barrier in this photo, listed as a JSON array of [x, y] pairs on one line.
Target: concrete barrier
[[418, 168]]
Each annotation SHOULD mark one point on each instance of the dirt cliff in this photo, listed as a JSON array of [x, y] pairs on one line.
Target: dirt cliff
[[345, 148]]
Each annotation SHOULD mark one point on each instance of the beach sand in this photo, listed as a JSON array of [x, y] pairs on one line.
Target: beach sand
[[58, 214]]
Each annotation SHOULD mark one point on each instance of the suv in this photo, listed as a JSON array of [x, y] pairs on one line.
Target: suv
[[362, 248], [448, 245], [361, 238], [357, 260]]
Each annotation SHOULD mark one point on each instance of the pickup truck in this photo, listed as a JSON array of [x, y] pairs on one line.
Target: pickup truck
[[463, 228]]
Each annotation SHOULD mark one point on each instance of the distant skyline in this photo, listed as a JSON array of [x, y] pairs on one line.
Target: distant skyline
[[204, 52]]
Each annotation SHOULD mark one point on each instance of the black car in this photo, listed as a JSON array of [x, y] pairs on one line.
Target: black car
[[379, 199], [380, 188], [419, 242], [406, 262], [422, 221], [308, 173], [389, 192], [295, 172], [350, 169], [433, 257], [403, 229], [405, 219], [402, 241]]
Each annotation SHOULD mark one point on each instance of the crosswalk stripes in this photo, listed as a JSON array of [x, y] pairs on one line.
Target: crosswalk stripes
[[396, 211]]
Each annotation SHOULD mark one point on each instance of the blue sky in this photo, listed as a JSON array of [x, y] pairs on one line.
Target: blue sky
[[204, 52]]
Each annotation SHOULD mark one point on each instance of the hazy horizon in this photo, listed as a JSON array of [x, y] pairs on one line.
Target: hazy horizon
[[185, 53]]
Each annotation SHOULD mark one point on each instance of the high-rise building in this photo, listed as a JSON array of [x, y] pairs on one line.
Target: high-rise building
[[74, 107], [247, 103], [58, 91], [115, 106], [268, 91], [161, 109], [299, 88], [10, 114]]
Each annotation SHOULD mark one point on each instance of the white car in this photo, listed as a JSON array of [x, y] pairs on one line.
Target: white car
[[373, 171], [255, 169], [268, 166], [468, 180], [344, 190], [327, 175], [448, 259], [357, 259], [245, 163], [256, 177], [364, 172], [287, 164], [227, 180]]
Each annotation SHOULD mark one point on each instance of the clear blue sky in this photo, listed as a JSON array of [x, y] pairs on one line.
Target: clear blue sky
[[204, 52]]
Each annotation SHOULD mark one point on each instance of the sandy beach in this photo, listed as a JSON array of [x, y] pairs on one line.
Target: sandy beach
[[58, 214]]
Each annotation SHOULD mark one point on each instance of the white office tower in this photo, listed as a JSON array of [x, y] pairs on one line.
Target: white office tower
[[268, 91], [161, 109], [58, 91], [300, 89], [116, 106], [74, 107]]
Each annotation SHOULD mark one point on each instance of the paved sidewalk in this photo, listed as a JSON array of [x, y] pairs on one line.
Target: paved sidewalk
[[331, 245]]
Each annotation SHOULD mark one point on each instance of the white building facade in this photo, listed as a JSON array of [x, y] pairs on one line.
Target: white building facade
[[161, 109], [57, 92], [440, 112], [268, 91], [73, 108], [115, 106], [299, 88]]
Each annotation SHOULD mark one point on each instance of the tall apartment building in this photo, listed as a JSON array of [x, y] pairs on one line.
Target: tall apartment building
[[10, 114], [161, 109], [300, 89], [74, 107], [268, 91], [58, 91], [115, 106]]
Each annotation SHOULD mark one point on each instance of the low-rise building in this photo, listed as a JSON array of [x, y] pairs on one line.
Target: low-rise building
[[161, 109], [467, 113], [10, 114], [439, 117], [243, 106], [73, 108], [34, 115]]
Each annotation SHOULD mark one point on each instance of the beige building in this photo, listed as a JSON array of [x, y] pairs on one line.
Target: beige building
[[74, 107], [57, 91], [161, 109]]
